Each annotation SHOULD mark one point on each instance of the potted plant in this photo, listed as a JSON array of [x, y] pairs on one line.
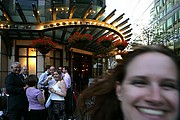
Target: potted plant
[[120, 44], [105, 41], [43, 45], [79, 39]]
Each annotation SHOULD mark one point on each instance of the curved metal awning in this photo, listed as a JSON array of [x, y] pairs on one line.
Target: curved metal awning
[[61, 28]]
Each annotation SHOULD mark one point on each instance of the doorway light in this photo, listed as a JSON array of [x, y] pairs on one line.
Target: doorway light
[[118, 57]]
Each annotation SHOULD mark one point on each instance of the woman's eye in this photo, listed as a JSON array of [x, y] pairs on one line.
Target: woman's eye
[[169, 86], [139, 83]]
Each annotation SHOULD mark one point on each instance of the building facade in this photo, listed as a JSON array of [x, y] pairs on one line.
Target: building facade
[[166, 23]]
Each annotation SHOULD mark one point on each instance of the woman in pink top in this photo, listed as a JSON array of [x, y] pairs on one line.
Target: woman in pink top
[[36, 99]]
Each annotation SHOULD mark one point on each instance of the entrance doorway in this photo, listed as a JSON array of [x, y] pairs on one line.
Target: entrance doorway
[[82, 70]]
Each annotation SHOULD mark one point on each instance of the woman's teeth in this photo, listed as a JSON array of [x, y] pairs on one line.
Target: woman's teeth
[[151, 111]]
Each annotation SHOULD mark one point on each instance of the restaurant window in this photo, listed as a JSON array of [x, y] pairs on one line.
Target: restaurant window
[[56, 58], [27, 57]]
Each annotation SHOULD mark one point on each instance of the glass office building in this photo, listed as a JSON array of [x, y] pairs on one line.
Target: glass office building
[[166, 22]]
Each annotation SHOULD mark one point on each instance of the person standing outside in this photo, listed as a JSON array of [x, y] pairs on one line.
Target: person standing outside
[[68, 98], [36, 99], [58, 92], [41, 83], [61, 69], [67, 77], [17, 100], [24, 73], [50, 79]]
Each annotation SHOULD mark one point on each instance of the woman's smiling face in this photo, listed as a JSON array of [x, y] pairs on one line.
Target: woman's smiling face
[[150, 88], [56, 76]]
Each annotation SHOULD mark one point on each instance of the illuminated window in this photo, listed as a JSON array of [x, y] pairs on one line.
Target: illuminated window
[[27, 57]]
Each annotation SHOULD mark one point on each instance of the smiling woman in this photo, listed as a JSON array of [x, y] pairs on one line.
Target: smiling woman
[[144, 87]]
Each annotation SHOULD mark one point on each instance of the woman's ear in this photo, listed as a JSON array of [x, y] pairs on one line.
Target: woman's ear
[[118, 91]]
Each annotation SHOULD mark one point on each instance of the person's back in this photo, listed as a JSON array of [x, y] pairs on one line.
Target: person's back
[[36, 100], [33, 94]]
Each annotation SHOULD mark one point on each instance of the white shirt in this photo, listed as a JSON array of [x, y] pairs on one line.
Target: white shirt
[[51, 82], [67, 80], [55, 96], [42, 79]]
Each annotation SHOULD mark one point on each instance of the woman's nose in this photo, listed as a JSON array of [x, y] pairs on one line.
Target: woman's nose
[[154, 95]]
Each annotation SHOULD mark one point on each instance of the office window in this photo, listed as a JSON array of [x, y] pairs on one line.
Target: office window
[[169, 7], [162, 2], [157, 9], [164, 26], [175, 1], [161, 15], [169, 22], [176, 17]]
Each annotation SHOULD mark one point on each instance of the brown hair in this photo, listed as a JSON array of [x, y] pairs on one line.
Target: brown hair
[[32, 80]]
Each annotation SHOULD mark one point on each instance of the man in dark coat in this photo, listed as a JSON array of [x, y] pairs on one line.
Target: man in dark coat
[[17, 100]]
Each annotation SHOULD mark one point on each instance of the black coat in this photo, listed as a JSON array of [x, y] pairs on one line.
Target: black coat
[[17, 95]]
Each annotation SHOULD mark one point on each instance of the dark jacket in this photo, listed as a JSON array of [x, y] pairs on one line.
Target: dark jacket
[[17, 95]]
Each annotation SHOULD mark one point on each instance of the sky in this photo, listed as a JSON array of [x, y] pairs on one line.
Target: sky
[[138, 11]]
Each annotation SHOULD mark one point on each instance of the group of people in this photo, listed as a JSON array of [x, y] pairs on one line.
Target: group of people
[[144, 86], [28, 94]]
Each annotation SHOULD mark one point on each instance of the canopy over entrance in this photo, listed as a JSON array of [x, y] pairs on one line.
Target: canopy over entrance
[[59, 22]]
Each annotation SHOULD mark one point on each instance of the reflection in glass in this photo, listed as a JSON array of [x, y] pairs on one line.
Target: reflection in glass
[[52, 54], [22, 51], [32, 65], [31, 52], [51, 61], [23, 61], [57, 62], [57, 54]]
